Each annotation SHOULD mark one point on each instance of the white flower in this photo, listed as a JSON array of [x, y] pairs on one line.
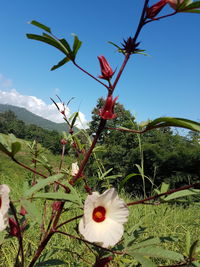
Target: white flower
[[103, 219], [75, 169], [4, 206]]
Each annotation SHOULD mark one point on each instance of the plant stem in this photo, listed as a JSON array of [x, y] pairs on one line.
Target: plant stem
[[88, 154], [163, 194], [41, 248], [19, 234], [90, 75]]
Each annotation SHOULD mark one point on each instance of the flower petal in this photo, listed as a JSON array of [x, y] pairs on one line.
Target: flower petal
[[4, 194], [107, 233]]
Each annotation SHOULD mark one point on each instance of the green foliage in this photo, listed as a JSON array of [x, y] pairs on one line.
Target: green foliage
[[10, 124], [60, 44]]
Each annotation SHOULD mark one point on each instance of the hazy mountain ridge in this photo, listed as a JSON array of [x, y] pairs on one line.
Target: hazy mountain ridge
[[30, 118]]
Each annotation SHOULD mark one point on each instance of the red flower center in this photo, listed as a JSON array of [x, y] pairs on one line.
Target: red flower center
[[99, 214], [0, 202]]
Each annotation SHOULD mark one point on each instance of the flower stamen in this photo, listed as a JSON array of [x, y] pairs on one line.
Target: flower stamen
[[99, 214]]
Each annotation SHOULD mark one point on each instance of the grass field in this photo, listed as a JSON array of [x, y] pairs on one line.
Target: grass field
[[165, 220]]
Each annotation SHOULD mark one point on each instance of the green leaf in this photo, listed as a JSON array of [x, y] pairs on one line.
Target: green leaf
[[51, 262], [60, 63], [16, 146], [147, 242], [190, 5], [187, 243], [125, 180], [74, 118], [76, 46], [193, 249], [40, 25], [32, 211], [183, 193], [42, 183], [59, 196], [176, 122], [9, 145], [47, 40], [156, 252], [144, 261]]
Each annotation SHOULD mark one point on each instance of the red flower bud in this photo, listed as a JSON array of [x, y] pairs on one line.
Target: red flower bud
[[103, 262], [56, 205], [22, 211], [107, 112], [106, 70], [13, 227], [155, 9], [63, 141]]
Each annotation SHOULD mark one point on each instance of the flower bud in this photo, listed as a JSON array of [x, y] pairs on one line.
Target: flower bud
[[155, 9], [63, 141], [106, 70], [23, 211], [14, 231], [107, 112]]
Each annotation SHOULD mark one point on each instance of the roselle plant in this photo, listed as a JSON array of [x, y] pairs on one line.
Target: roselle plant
[[101, 218]]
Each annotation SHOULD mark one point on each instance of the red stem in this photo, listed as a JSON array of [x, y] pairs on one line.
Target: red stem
[[19, 233], [90, 75]]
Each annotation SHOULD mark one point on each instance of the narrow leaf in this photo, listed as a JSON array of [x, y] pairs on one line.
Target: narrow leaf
[[59, 196], [42, 183], [46, 40], [60, 63], [176, 122], [147, 242], [40, 25], [76, 46], [183, 193], [32, 211], [157, 252], [144, 261]]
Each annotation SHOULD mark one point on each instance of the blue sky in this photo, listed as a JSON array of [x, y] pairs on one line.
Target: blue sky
[[165, 83]]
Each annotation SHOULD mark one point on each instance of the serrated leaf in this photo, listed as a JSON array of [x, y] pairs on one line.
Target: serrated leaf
[[144, 261], [176, 122], [156, 252], [42, 183], [183, 193], [32, 211], [60, 63], [40, 25]]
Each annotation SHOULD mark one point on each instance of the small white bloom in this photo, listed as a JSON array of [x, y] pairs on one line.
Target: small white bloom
[[75, 169], [103, 219], [4, 206]]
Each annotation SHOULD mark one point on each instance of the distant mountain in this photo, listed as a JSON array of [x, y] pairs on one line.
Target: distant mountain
[[30, 118]]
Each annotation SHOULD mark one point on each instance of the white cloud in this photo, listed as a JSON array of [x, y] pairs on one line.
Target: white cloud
[[38, 107]]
